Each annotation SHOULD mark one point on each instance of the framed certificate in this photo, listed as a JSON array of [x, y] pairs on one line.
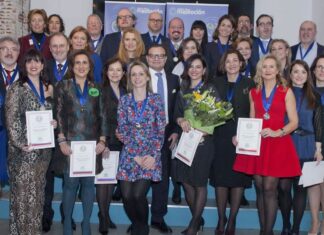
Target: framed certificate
[[110, 166], [83, 159], [249, 136], [40, 132], [187, 146]]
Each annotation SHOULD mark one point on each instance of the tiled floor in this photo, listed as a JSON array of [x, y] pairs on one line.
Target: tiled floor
[[57, 230]]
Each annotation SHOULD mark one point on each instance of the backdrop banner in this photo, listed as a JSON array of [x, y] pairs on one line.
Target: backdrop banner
[[140, 9], [189, 12]]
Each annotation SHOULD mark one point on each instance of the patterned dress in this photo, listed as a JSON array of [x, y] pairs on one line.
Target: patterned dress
[[140, 141], [26, 169]]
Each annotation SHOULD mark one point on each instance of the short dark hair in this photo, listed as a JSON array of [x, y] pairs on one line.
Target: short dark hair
[[156, 45], [71, 62], [221, 65], [264, 15]]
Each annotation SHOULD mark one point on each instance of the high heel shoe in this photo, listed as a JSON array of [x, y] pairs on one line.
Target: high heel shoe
[[202, 224], [318, 227], [219, 231]]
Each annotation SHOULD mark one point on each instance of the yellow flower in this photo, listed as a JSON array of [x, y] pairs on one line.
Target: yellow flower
[[198, 97]]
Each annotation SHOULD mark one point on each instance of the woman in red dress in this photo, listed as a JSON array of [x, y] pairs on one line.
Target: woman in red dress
[[271, 101]]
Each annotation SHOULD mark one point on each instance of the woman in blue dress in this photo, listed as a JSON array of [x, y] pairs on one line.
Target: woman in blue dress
[[307, 139], [141, 124]]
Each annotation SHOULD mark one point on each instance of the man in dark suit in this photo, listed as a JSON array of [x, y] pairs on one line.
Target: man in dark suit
[[55, 70], [176, 34], [260, 45], [167, 85], [9, 73], [244, 27], [110, 44], [307, 49], [154, 36]]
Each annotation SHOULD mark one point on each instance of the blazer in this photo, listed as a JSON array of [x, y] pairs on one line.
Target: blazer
[[240, 101], [294, 49], [25, 46], [213, 56], [110, 46]]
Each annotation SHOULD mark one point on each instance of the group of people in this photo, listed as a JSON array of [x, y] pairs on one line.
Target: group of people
[[126, 91]]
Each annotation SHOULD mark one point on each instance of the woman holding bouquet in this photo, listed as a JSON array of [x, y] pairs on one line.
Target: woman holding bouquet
[[233, 87], [194, 178]]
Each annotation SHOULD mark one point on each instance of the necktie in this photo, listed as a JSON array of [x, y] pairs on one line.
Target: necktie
[[59, 67], [160, 86], [154, 39], [8, 76]]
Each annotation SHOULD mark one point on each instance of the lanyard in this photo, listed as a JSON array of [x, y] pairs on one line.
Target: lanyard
[[263, 50], [222, 48], [267, 103], [60, 74], [4, 73], [230, 91], [40, 96], [39, 46], [82, 97], [302, 56], [139, 115]]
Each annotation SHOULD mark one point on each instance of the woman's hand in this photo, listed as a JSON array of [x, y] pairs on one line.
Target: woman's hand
[[27, 148], [184, 124], [267, 132], [100, 147], [65, 148], [54, 123], [234, 140], [105, 153], [318, 157], [148, 162]]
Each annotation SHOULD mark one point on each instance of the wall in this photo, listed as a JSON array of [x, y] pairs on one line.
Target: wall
[[73, 12], [289, 14]]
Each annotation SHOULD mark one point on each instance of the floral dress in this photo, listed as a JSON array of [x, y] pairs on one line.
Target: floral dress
[[144, 137]]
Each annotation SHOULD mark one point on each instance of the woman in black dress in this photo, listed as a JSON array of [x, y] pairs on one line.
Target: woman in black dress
[[113, 88], [234, 88], [195, 177]]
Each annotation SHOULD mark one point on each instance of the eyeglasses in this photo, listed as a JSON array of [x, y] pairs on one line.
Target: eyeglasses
[[127, 17], [156, 20], [267, 24], [156, 56], [320, 67], [7, 49]]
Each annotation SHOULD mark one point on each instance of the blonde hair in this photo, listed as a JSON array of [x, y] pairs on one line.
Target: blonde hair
[[140, 47], [146, 71], [288, 57], [258, 75]]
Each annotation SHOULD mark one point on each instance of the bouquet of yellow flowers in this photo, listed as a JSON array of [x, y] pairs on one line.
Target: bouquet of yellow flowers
[[204, 112]]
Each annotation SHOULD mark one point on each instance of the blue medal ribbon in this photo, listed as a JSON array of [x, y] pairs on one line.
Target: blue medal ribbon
[[157, 39], [302, 57], [41, 95], [267, 103], [41, 43], [82, 97], [139, 115], [99, 40], [59, 75], [173, 50], [222, 48], [197, 87], [9, 82], [230, 91], [247, 72], [263, 50]]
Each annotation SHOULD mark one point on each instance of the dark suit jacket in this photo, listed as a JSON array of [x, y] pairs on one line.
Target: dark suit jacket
[[173, 88], [255, 53], [167, 44], [25, 46], [2, 101], [294, 49], [50, 72], [110, 46], [213, 56], [240, 101]]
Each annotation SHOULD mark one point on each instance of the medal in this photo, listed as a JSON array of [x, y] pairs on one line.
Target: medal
[[267, 102], [175, 59], [139, 115], [266, 116]]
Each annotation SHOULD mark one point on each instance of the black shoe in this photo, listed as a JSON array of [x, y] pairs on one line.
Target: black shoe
[[244, 201], [73, 224], [46, 226], [176, 195], [161, 226], [103, 226], [129, 229], [111, 224]]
